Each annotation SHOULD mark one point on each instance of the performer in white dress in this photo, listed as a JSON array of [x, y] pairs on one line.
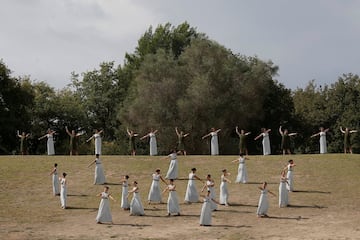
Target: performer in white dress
[[290, 175], [283, 192], [50, 141], [322, 134], [214, 141], [263, 205], [55, 181], [205, 215], [191, 195], [63, 191], [172, 202], [242, 176], [99, 171], [173, 170], [224, 192], [104, 214], [210, 186], [124, 193], [155, 192], [97, 137], [265, 140], [136, 207], [153, 143]]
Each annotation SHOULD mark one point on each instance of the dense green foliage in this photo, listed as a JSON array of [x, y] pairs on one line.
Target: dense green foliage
[[177, 77]]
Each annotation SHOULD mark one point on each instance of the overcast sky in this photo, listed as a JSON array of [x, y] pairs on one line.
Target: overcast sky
[[307, 39]]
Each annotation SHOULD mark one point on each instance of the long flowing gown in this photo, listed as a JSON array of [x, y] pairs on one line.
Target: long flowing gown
[[104, 214], [263, 205], [97, 138], [153, 144], [173, 170], [173, 202], [266, 144], [323, 147], [224, 193], [242, 173], [212, 195], [155, 193], [50, 144], [214, 143], [290, 178], [55, 183], [191, 194], [283, 193], [136, 207], [124, 201], [205, 215], [63, 192], [242, 143], [99, 172]]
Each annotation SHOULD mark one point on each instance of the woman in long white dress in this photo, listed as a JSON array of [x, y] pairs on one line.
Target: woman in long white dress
[[242, 176], [205, 215], [50, 141], [265, 140], [153, 143], [172, 202], [224, 192], [99, 171], [322, 134], [214, 141], [283, 192], [155, 192], [263, 205], [290, 175], [210, 186], [173, 170], [55, 180], [63, 191], [191, 194], [104, 213], [136, 207], [124, 193], [98, 141]]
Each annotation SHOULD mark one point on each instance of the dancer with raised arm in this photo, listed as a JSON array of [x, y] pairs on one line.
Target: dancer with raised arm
[[23, 142], [290, 175], [132, 145], [55, 180], [74, 141], [224, 192], [214, 140], [99, 177], [347, 139], [181, 145], [191, 195], [50, 141], [104, 213], [263, 205], [210, 186], [285, 140], [242, 176], [136, 207], [172, 202], [153, 143], [265, 140], [322, 134], [98, 141], [205, 215], [155, 192], [242, 140], [173, 171]]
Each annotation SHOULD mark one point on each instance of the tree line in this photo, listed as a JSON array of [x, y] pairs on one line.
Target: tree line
[[177, 77]]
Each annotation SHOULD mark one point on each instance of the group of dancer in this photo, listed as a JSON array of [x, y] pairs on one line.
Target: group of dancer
[[210, 202]]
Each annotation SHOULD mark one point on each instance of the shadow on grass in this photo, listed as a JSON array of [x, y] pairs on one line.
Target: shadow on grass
[[77, 195], [287, 218], [230, 226], [304, 206], [242, 205], [234, 211], [112, 184], [127, 224], [310, 191], [81, 208]]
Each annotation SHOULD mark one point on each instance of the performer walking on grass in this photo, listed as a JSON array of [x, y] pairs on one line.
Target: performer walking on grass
[[290, 175], [205, 215], [104, 214], [173, 171], [124, 193], [191, 195], [224, 192], [172, 202], [242, 176], [136, 207], [63, 190], [55, 180], [210, 186], [263, 205], [283, 191], [99, 177], [155, 192]]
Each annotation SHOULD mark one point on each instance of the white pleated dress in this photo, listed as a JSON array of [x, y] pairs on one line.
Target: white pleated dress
[[63, 192], [173, 170], [266, 144], [283, 194], [212, 195], [242, 173], [98, 143], [224, 192], [124, 200], [290, 178], [155, 192], [99, 172], [323, 147], [104, 214], [153, 144], [214, 143], [173, 202], [263, 205], [136, 207], [205, 215], [191, 194], [55, 183], [50, 144]]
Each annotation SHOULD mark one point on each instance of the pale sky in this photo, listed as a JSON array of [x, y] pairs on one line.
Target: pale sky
[[308, 39]]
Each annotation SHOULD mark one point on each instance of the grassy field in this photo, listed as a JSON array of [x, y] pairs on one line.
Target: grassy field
[[325, 204]]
